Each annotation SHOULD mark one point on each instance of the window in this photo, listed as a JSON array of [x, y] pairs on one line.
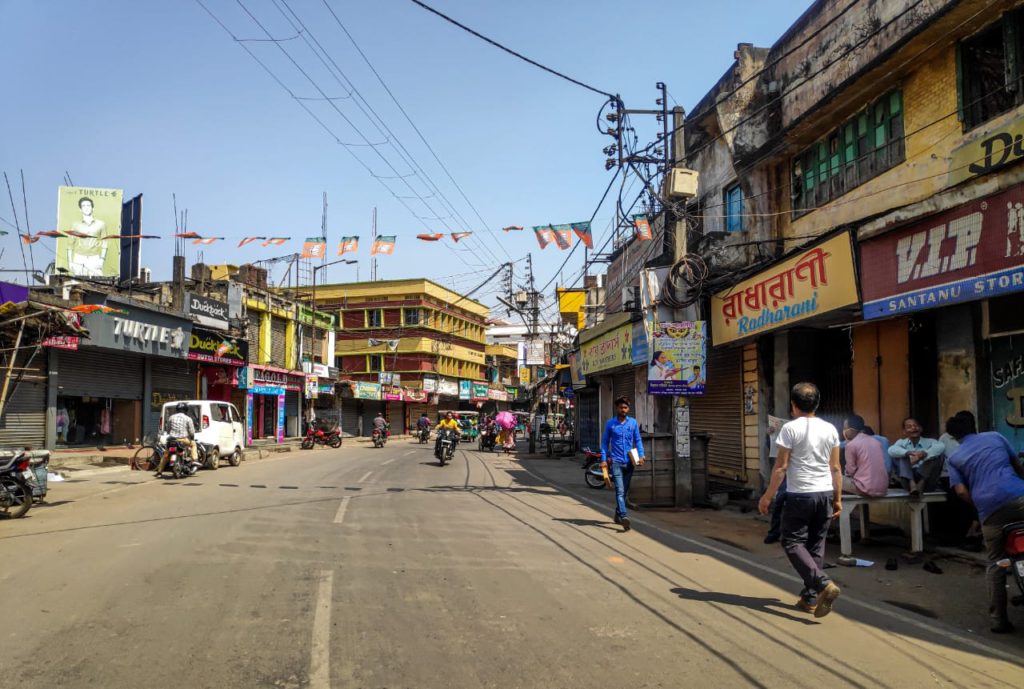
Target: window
[[411, 316], [734, 209], [989, 71], [374, 318], [374, 362], [426, 316], [220, 412], [863, 147]]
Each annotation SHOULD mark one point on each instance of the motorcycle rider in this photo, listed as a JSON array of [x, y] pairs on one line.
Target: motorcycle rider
[[182, 428], [381, 424], [423, 422], [447, 424]]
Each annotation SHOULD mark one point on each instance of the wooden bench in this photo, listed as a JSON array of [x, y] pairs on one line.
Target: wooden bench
[[895, 495]]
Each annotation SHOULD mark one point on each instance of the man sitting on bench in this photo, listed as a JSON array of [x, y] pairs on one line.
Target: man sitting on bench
[[918, 460], [865, 464]]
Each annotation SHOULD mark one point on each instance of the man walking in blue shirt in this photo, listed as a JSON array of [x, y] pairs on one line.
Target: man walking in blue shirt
[[621, 434]]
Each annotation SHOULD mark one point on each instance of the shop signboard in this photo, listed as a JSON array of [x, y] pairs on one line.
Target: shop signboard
[[280, 419], [576, 370], [366, 391], [429, 384], [87, 216], [312, 387], [267, 390], [389, 378], [391, 393], [975, 251], [465, 389], [130, 329], [448, 387], [612, 349], [524, 375], [69, 342], [1008, 388], [639, 344], [809, 284], [326, 389], [206, 311], [410, 395], [276, 378], [210, 347], [248, 417], [678, 361], [535, 353], [320, 370], [992, 149], [244, 377], [498, 395], [479, 391]]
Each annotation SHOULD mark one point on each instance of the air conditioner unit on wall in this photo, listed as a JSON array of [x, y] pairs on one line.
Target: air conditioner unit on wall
[[682, 183]]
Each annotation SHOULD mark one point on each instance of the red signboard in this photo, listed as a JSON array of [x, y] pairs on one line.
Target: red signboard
[[62, 342], [972, 252]]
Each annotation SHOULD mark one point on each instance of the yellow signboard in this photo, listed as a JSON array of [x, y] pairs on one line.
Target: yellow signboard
[[614, 348], [524, 375], [809, 284], [984, 154]]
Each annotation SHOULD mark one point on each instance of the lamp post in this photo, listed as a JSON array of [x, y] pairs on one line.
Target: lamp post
[[317, 269]]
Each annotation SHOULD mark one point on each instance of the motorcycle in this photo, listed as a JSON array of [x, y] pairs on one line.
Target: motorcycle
[[15, 489], [446, 450], [487, 439], [179, 461], [592, 469], [1014, 534], [318, 436], [380, 437], [424, 434]]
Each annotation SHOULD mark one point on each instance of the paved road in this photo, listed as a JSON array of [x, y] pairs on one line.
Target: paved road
[[378, 568]]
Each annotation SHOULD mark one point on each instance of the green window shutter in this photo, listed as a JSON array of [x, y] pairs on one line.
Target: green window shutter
[[1011, 46]]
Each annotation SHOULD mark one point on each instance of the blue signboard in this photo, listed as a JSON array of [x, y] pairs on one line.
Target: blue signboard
[[266, 390], [968, 289], [641, 351]]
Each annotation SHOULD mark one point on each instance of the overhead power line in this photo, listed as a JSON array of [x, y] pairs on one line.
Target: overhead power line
[[522, 57]]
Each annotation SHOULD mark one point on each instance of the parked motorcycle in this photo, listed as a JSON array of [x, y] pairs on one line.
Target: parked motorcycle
[[318, 436], [424, 434], [592, 469], [15, 489], [179, 460], [379, 437], [446, 451], [1014, 534]]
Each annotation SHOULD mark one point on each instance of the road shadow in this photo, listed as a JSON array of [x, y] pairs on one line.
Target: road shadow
[[601, 524], [771, 606]]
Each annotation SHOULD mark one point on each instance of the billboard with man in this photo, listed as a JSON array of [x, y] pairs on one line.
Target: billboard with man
[[90, 220]]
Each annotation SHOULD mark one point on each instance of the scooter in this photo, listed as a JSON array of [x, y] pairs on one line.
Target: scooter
[[424, 434], [15, 489], [1014, 534], [592, 469]]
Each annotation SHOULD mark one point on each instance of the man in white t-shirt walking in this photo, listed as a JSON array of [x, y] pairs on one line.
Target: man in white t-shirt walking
[[809, 461]]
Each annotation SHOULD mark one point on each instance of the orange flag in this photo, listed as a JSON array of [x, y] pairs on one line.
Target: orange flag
[[430, 237], [460, 235]]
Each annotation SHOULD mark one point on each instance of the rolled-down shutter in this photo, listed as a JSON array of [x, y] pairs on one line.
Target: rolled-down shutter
[[719, 412], [623, 384], [350, 416], [253, 334], [370, 409], [588, 412], [396, 416], [278, 330], [117, 375], [24, 417], [171, 379]]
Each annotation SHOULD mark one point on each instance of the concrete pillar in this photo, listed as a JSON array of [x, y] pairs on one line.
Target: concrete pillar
[[957, 362], [290, 350], [52, 383], [147, 398], [265, 335]]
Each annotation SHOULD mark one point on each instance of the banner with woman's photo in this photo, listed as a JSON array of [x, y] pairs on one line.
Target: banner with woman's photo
[[678, 356]]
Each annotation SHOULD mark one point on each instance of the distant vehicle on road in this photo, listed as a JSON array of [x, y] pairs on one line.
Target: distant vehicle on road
[[218, 426]]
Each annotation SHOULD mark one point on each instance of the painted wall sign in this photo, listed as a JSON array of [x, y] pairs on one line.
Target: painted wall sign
[[975, 251], [1008, 388], [614, 348], [983, 155], [811, 283]]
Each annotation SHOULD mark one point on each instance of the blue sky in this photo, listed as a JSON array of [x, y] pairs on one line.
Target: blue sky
[[156, 98]]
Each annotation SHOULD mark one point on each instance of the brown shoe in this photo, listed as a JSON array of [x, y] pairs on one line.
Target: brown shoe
[[825, 599], [805, 605]]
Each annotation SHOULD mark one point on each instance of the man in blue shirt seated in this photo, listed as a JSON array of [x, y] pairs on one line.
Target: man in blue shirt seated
[[621, 434], [918, 460], [986, 472]]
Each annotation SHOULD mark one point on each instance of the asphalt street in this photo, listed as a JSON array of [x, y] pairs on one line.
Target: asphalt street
[[377, 568]]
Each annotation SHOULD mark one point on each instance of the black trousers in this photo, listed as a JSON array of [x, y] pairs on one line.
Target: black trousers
[[805, 520]]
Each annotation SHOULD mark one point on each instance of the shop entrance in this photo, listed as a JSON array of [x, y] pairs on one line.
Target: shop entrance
[[264, 422], [84, 420]]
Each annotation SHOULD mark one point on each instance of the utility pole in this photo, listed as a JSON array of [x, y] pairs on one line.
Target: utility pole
[[533, 302]]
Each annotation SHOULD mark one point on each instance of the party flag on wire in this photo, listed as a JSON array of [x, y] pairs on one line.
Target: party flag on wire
[[582, 230], [206, 240], [512, 228], [348, 244], [187, 235], [275, 241], [49, 233], [383, 244], [248, 240], [29, 239], [544, 235], [563, 235], [132, 236], [76, 233], [315, 247], [643, 228], [430, 237], [460, 235]]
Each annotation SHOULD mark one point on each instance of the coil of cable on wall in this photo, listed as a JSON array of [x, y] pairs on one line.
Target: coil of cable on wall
[[687, 276]]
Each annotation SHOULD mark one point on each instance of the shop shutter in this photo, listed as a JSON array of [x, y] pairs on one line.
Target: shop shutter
[[589, 421], [171, 379], [117, 375], [396, 415], [414, 410], [277, 342], [253, 335], [24, 419], [719, 412], [623, 383], [370, 409], [350, 416], [291, 403]]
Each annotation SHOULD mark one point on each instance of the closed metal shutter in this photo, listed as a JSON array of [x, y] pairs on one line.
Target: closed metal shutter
[[350, 416], [370, 409], [291, 403], [171, 379], [101, 374], [588, 419], [414, 410], [24, 420], [277, 341], [623, 384], [719, 412], [253, 334], [396, 416]]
